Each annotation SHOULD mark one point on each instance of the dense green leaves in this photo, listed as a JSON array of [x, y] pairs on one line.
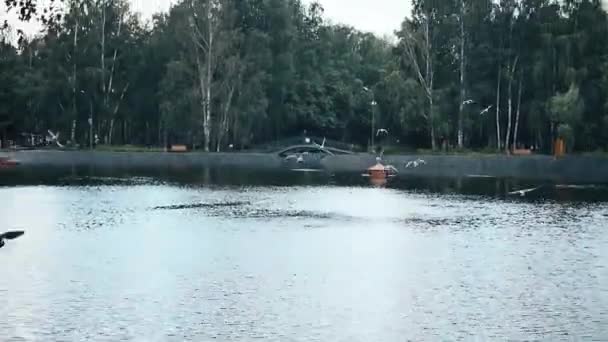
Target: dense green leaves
[[220, 73], [539, 65]]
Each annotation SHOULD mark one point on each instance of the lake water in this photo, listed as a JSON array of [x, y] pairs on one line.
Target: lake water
[[239, 256]]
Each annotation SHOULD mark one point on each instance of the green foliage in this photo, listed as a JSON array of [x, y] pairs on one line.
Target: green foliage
[[565, 132], [567, 108], [279, 69]]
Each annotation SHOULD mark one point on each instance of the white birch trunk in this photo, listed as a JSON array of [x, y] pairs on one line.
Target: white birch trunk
[[103, 47], [74, 82], [109, 90], [511, 75], [463, 93], [425, 80], [498, 135], [116, 108], [509, 118], [430, 78], [223, 129], [209, 78], [517, 115]]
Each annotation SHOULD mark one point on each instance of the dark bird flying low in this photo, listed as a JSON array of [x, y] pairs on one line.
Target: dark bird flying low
[[9, 236]]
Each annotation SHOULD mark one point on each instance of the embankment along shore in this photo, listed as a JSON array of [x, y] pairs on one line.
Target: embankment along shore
[[570, 169]]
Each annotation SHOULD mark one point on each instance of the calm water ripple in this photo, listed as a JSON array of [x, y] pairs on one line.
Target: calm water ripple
[[155, 261]]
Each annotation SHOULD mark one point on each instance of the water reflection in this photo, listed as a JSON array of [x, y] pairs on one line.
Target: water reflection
[[169, 256], [471, 185]]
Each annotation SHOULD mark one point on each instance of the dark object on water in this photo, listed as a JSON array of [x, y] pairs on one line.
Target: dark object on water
[[380, 173], [201, 205], [10, 236]]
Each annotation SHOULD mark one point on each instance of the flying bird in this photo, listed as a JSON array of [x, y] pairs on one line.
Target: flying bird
[[299, 158], [55, 138], [523, 192], [382, 131], [468, 102], [415, 163], [9, 236], [485, 111]]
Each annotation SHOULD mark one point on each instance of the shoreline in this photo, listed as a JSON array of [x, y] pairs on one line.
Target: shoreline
[[570, 169]]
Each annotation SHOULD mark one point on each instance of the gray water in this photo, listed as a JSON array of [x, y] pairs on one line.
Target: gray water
[[149, 259]]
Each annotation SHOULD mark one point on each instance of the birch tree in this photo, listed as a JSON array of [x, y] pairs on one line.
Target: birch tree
[[233, 72], [511, 75], [74, 8], [418, 49], [517, 115], [243, 72], [113, 39], [463, 65], [204, 23], [498, 86]]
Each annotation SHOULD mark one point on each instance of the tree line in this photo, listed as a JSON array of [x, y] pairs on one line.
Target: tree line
[[469, 74]]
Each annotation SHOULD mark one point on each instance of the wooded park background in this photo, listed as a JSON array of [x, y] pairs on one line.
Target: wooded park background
[[474, 74]]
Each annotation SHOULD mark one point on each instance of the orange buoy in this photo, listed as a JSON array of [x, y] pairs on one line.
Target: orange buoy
[[377, 171], [379, 182]]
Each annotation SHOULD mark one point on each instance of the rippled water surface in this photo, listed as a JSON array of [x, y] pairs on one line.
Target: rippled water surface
[[142, 258]]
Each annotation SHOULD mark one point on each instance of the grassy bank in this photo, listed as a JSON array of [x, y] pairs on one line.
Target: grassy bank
[[127, 148], [388, 151]]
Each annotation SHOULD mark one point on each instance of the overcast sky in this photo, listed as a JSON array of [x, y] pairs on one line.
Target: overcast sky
[[378, 16], [382, 17]]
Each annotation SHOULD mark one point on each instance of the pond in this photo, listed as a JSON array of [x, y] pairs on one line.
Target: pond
[[238, 255]]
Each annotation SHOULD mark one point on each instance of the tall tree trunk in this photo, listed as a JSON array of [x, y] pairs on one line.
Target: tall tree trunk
[[235, 132], [111, 131], [209, 78], [103, 48], [424, 73], [430, 81], [509, 118], [104, 90], [202, 79], [463, 93], [433, 138], [223, 127], [73, 131], [116, 108], [511, 75], [518, 111], [147, 133], [160, 130], [498, 135], [108, 88], [74, 82]]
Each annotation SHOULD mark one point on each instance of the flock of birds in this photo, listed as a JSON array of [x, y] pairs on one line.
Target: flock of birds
[[521, 192], [411, 164], [483, 112]]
